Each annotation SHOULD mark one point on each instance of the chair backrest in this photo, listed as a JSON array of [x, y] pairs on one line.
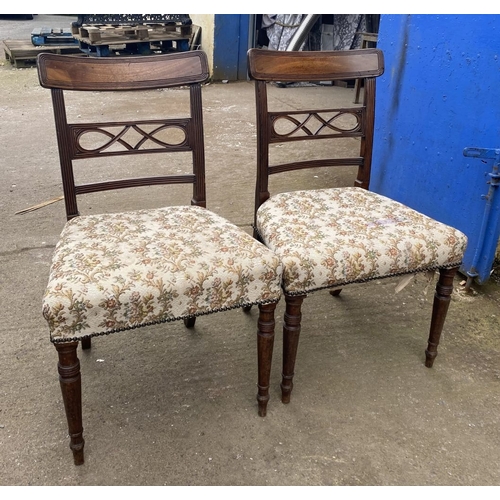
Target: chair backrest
[[314, 66], [61, 73]]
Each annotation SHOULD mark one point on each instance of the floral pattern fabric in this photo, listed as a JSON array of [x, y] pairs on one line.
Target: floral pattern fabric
[[118, 271], [332, 237]]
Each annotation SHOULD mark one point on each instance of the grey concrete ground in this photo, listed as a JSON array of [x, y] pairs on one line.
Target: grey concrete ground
[[170, 406]]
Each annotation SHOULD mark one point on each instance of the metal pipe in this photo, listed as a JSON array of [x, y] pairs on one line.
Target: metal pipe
[[494, 182], [472, 272], [302, 31]]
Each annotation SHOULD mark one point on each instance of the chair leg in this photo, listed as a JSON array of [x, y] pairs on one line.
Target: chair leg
[[190, 322], [86, 343], [291, 332], [265, 344], [442, 297], [71, 388]]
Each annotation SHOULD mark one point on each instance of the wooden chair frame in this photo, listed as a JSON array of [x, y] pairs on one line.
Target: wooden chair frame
[[273, 66], [61, 74]]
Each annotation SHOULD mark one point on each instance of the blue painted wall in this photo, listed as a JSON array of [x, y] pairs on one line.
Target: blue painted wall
[[440, 93], [231, 32]]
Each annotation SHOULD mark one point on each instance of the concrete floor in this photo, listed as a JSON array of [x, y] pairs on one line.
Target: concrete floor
[[170, 406]]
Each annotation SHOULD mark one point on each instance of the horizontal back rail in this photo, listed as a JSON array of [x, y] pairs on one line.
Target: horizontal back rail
[[122, 73], [134, 182], [298, 165], [277, 139], [274, 66]]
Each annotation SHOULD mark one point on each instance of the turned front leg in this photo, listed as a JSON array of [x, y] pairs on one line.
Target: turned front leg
[[291, 333], [71, 388], [442, 297], [190, 322], [265, 344]]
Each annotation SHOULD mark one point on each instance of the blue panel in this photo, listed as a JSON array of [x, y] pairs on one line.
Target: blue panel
[[244, 34], [231, 33], [440, 93]]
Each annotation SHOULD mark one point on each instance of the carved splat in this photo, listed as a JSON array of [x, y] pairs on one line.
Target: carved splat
[[328, 123], [147, 136]]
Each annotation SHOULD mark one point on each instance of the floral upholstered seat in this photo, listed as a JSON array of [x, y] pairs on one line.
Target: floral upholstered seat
[[332, 237], [119, 271]]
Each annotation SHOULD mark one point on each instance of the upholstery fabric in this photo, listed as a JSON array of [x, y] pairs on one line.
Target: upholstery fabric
[[119, 271], [332, 237]]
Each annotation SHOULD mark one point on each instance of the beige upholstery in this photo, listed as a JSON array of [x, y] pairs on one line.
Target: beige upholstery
[[332, 237], [114, 272]]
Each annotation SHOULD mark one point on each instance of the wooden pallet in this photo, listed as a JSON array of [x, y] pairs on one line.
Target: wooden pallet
[[112, 34], [143, 39], [22, 53]]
